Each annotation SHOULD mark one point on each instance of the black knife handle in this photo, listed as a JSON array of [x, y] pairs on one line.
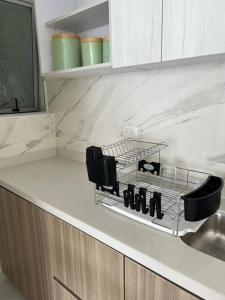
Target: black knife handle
[[138, 199], [129, 196], [155, 203], [143, 193]]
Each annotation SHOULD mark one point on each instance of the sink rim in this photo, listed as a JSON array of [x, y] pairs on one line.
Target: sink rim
[[210, 236]]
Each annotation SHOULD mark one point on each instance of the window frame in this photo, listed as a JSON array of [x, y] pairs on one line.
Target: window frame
[[36, 83]]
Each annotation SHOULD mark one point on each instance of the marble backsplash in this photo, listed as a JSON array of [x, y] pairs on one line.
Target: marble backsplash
[[25, 136], [183, 106]]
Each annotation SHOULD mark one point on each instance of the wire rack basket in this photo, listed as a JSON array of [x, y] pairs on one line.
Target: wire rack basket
[[172, 183], [129, 152]]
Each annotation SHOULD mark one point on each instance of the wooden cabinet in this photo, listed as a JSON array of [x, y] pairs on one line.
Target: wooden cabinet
[[36, 247], [62, 293], [90, 269], [193, 28], [140, 283], [23, 247], [136, 31], [48, 259]]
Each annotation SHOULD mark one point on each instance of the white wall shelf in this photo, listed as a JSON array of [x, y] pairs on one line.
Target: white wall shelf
[[106, 68], [83, 19], [92, 70]]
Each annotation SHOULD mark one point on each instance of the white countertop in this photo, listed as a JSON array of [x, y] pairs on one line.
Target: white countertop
[[61, 187]]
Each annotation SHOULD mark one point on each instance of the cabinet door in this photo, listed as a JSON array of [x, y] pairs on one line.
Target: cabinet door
[[142, 284], [23, 246], [193, 28], [136, 31], [61, 293], [88, 268]]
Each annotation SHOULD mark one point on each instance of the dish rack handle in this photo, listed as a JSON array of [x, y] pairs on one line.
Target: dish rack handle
[[151, 167], [101, 168]]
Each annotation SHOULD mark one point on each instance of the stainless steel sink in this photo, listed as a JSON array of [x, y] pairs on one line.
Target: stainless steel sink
[[210, 237]]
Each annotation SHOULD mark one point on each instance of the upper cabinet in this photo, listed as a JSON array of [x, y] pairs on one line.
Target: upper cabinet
[[141, 32], [136, 28], [193, 28]]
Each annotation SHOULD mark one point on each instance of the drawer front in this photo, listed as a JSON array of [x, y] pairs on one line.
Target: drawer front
[[90, 269], [24, 248], [62, 293], [142, 284]]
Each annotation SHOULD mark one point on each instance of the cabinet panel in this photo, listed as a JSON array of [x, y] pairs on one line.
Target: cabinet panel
[[87, 267], [193, 28], [136, 30], [23, 249], [141, 283], [61, 293]]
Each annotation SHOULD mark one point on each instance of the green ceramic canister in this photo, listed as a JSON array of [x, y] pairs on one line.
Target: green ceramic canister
[[106, 49], [91, 51], [66, 51]]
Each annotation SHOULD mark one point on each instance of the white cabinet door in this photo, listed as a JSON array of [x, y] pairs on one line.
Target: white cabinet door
[[193, 28], [136, 31]]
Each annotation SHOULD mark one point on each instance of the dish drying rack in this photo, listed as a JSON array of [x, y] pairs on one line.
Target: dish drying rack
[[129, 182], [129, 152]]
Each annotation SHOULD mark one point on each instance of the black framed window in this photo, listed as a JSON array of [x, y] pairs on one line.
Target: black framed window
[[18, 58]]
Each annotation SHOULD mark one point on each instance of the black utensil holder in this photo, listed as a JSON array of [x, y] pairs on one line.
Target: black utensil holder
[[204, 201]]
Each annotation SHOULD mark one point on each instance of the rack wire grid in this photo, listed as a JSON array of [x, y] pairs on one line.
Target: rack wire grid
[[129, 152], [172, 184]]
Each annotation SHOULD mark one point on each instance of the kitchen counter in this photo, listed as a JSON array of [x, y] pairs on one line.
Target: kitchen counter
[[61, 187]]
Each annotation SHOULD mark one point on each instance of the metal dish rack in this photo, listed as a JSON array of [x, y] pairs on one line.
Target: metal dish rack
[[171, 183], [129, 152]]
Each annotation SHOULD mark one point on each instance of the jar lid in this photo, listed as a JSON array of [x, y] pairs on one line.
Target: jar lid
[[65, 35], [106, 38], [91, 39]]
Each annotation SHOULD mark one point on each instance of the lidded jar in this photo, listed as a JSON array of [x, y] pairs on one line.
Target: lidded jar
[[106, 49], [66, 51], [91, 51]]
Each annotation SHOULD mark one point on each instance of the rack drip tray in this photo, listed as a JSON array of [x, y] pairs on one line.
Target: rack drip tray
[[167, 224], [171, 184]]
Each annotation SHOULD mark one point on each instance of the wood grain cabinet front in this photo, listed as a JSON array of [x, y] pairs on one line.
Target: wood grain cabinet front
[[90, 269], [62, 293], [35, 247], [48, 259], [23, 246], [142, 284]]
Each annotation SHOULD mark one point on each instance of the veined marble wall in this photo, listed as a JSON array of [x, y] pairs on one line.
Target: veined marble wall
[[183, 106], [26, 134]]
